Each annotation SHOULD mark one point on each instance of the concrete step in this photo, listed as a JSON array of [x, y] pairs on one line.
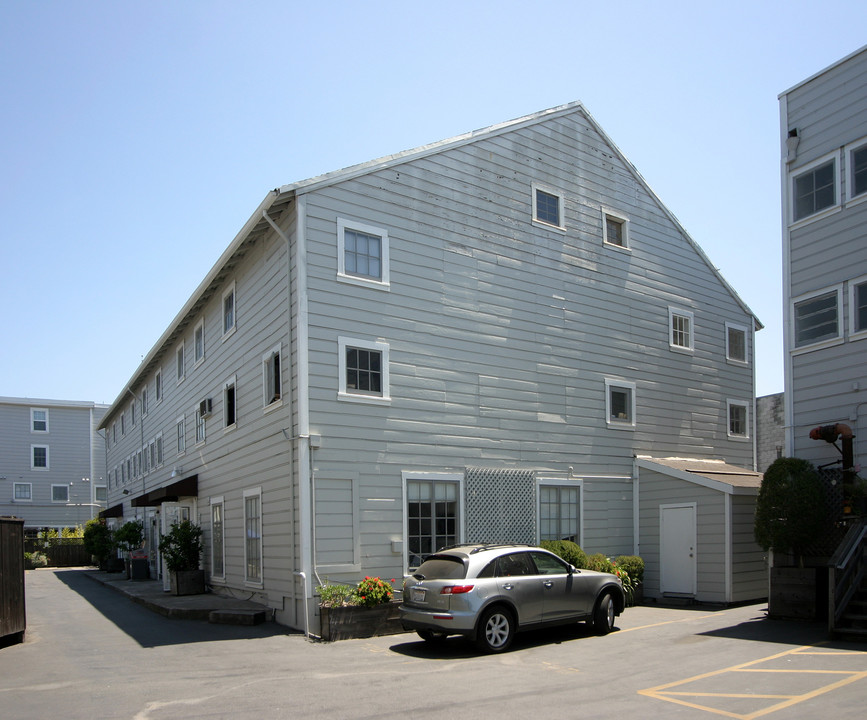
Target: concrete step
[[237, 617]]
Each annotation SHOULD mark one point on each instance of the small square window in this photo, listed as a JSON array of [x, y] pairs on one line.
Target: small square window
[[817, 318], [615, 229], [60, 493], [738, 419], [815, 190], [39, 420], [363, 252], [364, 373], [100, 494], [680, 325], [547, 207], [620, 403], [22, 491], [736, 343]]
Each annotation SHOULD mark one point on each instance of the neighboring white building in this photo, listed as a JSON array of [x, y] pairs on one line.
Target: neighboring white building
[[52, 462], [471, 341], [823, 129]]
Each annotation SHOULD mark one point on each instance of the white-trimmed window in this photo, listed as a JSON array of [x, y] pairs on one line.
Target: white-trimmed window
[[560, 510], [615, 228], [60, 493], [738, 414], [363, 370], [272, 377], [180, 364], [858, 308], [123, 424], [218, 547], [856, 154], [229, 310], [39, 457], [814, 188], [362, 254], [158, 385], [619, 403], [144, 401], [22, 492], [433, 514], [199, 343], [39, 420], [230, 408], [132, 412], [200, 427], [181, 428], [158, 441], [736, 343], [680, 329], [253, 536], [548, 207], [100, 493], [816, 318]]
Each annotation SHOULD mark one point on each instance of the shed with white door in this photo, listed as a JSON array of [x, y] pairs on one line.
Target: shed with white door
[[694, 524]]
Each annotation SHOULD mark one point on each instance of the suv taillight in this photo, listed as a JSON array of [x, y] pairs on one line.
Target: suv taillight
[[456, 589]]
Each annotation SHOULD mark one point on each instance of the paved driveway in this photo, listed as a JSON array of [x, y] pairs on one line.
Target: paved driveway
[[89, 652]]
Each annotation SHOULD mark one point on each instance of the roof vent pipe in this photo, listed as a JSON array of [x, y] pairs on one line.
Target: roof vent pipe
[[830, 433]]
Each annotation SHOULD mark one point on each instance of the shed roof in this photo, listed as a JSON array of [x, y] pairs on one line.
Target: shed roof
[[714, 474]]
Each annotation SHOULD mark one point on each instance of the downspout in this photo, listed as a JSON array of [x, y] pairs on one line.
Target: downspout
[[788, 335], [636, 514]]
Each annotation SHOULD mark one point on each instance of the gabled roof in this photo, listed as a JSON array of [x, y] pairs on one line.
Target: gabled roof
[[281, 197], [714, 474]]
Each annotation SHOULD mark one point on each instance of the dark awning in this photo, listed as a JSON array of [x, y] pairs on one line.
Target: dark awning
[[188, 487], [114, 511]]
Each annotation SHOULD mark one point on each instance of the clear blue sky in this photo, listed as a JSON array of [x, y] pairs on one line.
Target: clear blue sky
[[136, 138]]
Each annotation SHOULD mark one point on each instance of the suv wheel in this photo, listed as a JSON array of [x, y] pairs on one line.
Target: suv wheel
[[496, 630], [603, 616]]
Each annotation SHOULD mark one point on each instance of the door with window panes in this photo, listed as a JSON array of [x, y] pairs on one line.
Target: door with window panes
[[432, 518]]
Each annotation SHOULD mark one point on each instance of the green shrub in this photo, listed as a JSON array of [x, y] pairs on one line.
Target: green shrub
[[335, 595], [600, 563], [373, 591], [181, 546], [633, 565], [97, 540], [35, 560], [130, 535], [566, 550]]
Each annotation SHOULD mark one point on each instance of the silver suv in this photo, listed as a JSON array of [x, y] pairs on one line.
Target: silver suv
[[489, 592]]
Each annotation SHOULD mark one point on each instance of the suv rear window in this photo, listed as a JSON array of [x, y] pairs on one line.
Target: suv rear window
[[441, 567]]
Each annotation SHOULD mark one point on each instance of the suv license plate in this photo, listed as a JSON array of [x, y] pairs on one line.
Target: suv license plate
[[417, 594]]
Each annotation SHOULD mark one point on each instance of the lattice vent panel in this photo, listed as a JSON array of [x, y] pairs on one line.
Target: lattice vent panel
[[500, 505]]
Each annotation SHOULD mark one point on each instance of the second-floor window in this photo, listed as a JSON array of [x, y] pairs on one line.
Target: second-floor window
[[39, 420], [680, 327], [199, 343], [548, 207], [272, 383], [363, 252], [814, 190], [817, 318]]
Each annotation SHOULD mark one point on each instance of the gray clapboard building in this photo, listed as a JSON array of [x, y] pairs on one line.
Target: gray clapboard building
[[52, 462], [823, 128], [469, 341]]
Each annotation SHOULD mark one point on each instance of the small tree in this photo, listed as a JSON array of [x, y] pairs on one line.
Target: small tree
[[130, 535], [790, 509], [181, 546], [98, 540]]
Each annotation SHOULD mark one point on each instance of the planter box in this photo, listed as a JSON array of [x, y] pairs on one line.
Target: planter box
[[793, 593], [343, 623], [187, 582]]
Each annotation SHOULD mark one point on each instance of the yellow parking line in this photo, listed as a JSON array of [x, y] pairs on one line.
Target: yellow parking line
[[666, 692], [667, 622]]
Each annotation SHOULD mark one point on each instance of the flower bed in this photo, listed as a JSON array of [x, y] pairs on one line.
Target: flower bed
[[366, 610]]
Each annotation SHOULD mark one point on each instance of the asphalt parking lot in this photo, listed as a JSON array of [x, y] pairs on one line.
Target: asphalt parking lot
[[90, 652]]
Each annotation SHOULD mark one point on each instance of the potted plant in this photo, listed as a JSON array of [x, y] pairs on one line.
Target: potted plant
[[362, 611], [129, 537], [181, 548]]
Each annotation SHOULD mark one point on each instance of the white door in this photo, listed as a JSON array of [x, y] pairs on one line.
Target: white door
[[677, 542], [170, 514]]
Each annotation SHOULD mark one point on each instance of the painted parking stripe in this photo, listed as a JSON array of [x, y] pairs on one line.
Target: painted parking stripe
[[763, 703]]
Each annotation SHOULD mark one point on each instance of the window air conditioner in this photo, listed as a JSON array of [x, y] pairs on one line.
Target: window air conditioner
[[205, 407]]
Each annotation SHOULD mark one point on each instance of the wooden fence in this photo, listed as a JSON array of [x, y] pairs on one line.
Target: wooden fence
[[13, 619], [61, 552]]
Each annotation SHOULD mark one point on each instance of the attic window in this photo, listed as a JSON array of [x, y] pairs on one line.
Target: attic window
[[615, 229], [548, 207]]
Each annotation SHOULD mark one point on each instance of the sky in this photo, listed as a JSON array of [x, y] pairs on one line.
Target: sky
[[137, 138]]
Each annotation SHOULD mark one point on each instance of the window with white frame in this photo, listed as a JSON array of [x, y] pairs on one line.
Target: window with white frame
[[60, 493], [560, 510], [39, 420], [152, 454], [100, 494], [816, 317], [159, 444], [200, 427], [680, 327], [857, 159], [362, 253], [144, 401], [218, 552], [364, 370], [229, 310], [619, 403], [158, 385], [432, 516], [179, 363], [815, 188], [736, 343], [858, 308], [132, 412], [181, 428], [22, 491], [615, 228], [253, 536], [272, 377], [123, 424], [39, 457], [548, 207], [199, 342], [230, 415], [738, 419]]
